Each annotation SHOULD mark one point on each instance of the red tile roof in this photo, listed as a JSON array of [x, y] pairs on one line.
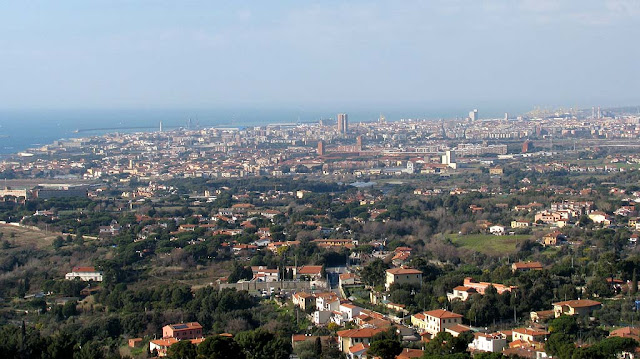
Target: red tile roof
[[579, 303], [401, 270], [310, 270], [442, 314], [359, 333]]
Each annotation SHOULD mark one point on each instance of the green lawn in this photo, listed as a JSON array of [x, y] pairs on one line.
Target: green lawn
[[488, 243]]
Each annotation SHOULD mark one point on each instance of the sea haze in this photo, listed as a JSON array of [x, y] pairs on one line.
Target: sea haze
[[24, 129]]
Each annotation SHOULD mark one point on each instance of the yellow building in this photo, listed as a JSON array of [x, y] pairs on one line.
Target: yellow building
[[576, 307]]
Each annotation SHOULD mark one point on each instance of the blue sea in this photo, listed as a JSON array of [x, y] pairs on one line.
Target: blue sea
[[24, 129]]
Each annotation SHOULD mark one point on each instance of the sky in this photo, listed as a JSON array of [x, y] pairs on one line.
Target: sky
[[354, 54]]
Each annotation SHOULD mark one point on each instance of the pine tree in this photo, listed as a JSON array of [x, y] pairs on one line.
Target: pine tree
[[318, 347], [634, 282]]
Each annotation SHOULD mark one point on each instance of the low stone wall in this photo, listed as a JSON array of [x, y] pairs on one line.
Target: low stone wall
[[260, 286]]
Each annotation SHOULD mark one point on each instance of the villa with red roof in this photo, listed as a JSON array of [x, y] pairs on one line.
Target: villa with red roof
[[402, 275], [525, 266], [576, 307], [348, 339], [84, 273], [435, 321], [312, 272]]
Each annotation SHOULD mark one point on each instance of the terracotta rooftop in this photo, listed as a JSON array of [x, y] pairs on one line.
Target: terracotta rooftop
[[442, 314], [359, 333], [401, 270], [579, 303]]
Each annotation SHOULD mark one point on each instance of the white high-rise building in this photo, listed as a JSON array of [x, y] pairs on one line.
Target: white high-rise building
[[449, 159], [473, 115]]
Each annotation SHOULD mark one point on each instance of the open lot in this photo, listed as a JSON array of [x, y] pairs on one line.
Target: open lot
[[488, 243], [26, 237]]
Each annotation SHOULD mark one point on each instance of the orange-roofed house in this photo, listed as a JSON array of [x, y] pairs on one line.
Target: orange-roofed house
[[525, 266], [162, 345], [626, 332], [351, 337], [358, 351], [348, 279], [311, 272], [576, 307], [182, 331], [435, 321], [330, 243], [304, 300], [402, 275], [410, 353], [461, 293], [529, 335], [481, 287]]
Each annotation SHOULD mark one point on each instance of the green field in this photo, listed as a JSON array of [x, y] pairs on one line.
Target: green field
[[488, 243]]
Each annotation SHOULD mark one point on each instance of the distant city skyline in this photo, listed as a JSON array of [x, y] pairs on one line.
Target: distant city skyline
[[329, 55]]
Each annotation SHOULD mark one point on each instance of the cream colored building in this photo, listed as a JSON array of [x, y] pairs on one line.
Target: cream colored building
[[403, 275], [435, 321], [575, 307]]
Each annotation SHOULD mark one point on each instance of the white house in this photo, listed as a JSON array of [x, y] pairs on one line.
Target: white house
[[350, 310], [321, 317], [488, 342], [84, 273], [461, 293], [496, 230], [327, 301]]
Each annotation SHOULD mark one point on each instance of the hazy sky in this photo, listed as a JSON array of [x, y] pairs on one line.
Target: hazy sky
[[203, 54]]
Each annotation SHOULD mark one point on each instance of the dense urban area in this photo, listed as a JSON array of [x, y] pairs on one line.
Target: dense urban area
[[471, 237]]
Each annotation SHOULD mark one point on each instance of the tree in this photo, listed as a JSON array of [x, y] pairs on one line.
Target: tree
[[58, 242], [239, 273], [634, 282], [262, 344], [218, 347], [385, 349], [317, 346], [69, 309], [564, 324], [386, 344], [446, 344], [183, 349], [373, 274]]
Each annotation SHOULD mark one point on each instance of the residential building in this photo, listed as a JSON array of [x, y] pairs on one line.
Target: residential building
[[525, 266], [182, 331], [481, 287], [461, 293], [402, 275], [85, 274], [529, 335], [328, 301], [435, 321], [497, 230], [576, 307], [351, 337], [309, 272], [349, 310], [304, 300], [493, 343]]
